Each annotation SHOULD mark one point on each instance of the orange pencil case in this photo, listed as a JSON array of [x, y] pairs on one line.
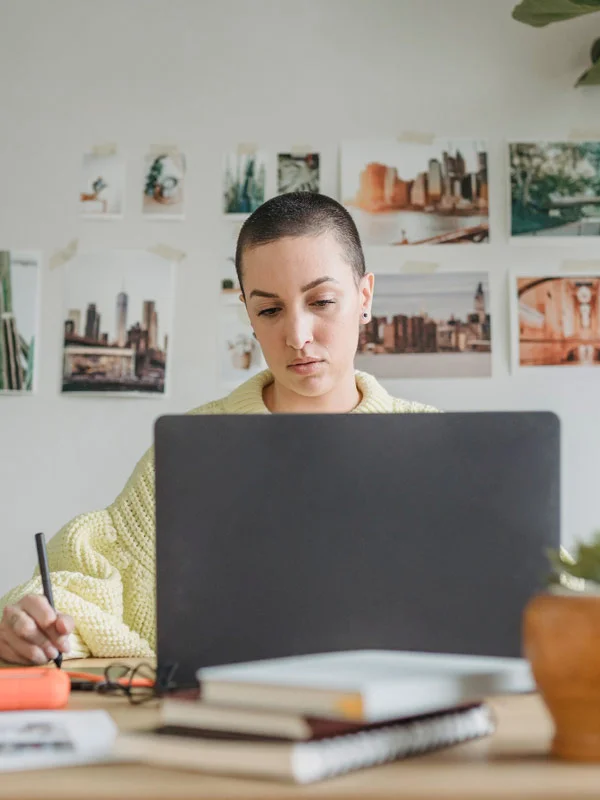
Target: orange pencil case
[[31, 688]]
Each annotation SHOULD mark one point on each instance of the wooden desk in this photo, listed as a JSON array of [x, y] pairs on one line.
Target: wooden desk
[[511, 764]]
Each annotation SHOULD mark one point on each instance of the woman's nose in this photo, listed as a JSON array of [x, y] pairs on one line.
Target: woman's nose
[[298, 331]]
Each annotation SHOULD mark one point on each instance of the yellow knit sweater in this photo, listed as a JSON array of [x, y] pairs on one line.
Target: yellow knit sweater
[[103, 563]]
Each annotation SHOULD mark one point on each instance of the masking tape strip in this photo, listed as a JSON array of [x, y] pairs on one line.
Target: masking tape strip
[[163, 150], [419, 266], [301, 149], [590, 265], [417, 137], [61, 257], [585, 134], [167, 252], [108, 149], [247, 148]]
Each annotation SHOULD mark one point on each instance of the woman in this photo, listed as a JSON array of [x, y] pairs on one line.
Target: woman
[[303, 281]]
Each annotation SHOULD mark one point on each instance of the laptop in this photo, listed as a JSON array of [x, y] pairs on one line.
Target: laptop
[[286, 535]]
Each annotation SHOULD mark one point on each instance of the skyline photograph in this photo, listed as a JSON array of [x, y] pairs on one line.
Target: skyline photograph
[[406, 193], [117, 321], [428, 326]]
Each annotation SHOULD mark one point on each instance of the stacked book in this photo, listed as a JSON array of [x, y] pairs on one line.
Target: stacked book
[[306, 718]]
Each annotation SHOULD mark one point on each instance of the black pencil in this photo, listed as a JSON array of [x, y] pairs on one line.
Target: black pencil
[[40, 543]]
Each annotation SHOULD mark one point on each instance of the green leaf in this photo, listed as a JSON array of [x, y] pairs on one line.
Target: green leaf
[[585, 565], [590, 77], [542, 12]]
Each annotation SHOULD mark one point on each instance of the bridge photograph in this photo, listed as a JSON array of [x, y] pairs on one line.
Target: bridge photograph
[[555, 189]]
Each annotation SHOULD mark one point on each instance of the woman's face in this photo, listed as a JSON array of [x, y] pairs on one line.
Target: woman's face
[[305, 308]]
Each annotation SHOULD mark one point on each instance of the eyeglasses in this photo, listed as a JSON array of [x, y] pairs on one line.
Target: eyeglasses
[[139, 684]]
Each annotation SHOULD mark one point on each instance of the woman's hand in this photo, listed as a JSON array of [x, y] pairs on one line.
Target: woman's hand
[[31, 632]]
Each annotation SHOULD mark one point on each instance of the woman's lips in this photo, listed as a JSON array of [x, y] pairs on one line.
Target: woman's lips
[[307, 367]]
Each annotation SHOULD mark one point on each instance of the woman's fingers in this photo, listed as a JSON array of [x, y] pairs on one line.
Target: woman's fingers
[[33, 631], [7, 653], [65, 624], [30, 653], [25, 637], [21, 651], [39, 609], [55, 626]]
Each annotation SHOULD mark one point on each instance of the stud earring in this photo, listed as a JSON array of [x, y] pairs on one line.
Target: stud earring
[[365, 315]]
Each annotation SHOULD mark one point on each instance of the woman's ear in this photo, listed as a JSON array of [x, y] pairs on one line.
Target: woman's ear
[[365, 289]]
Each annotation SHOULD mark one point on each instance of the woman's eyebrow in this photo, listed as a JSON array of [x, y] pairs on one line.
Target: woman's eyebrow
[[260, 293], [311, 285], [317, 282]]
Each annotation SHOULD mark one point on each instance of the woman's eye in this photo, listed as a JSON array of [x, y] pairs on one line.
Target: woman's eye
[[268, 312], [323, 303]]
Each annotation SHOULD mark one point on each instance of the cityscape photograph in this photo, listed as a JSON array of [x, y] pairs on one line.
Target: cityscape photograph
[[555, 189], [116, 323], [404, 193], [559, 321], [428, 326], [19, 273]]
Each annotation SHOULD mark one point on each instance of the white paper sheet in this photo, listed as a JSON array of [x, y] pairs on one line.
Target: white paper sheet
[[42, 739]]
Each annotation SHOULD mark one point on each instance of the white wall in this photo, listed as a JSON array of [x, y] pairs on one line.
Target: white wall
[[207, 75]]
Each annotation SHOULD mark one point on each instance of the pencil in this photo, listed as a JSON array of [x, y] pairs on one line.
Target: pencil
[[40, 543]]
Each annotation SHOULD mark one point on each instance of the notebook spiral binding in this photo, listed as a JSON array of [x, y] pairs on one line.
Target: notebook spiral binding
[[354, 751]]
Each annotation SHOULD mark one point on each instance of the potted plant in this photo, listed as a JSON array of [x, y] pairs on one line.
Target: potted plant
[[540, 13], [561, 639], [153, 176]]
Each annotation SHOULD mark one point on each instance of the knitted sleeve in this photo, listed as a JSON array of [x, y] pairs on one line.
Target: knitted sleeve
[[411, 407], [102, 567], [103, 570]]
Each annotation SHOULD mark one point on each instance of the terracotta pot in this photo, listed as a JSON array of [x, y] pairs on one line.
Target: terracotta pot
[[561, 639]]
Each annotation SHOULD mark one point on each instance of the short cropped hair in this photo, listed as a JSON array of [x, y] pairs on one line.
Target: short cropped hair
[[301, 214]]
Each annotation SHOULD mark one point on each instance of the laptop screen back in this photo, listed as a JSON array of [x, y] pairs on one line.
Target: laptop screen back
[[291, 534]]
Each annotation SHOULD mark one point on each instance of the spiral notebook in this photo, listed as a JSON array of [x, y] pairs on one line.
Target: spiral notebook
[[304, 761]]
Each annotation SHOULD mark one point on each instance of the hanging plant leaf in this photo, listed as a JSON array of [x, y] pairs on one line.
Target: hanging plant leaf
[[542, 12], [590, 77]]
